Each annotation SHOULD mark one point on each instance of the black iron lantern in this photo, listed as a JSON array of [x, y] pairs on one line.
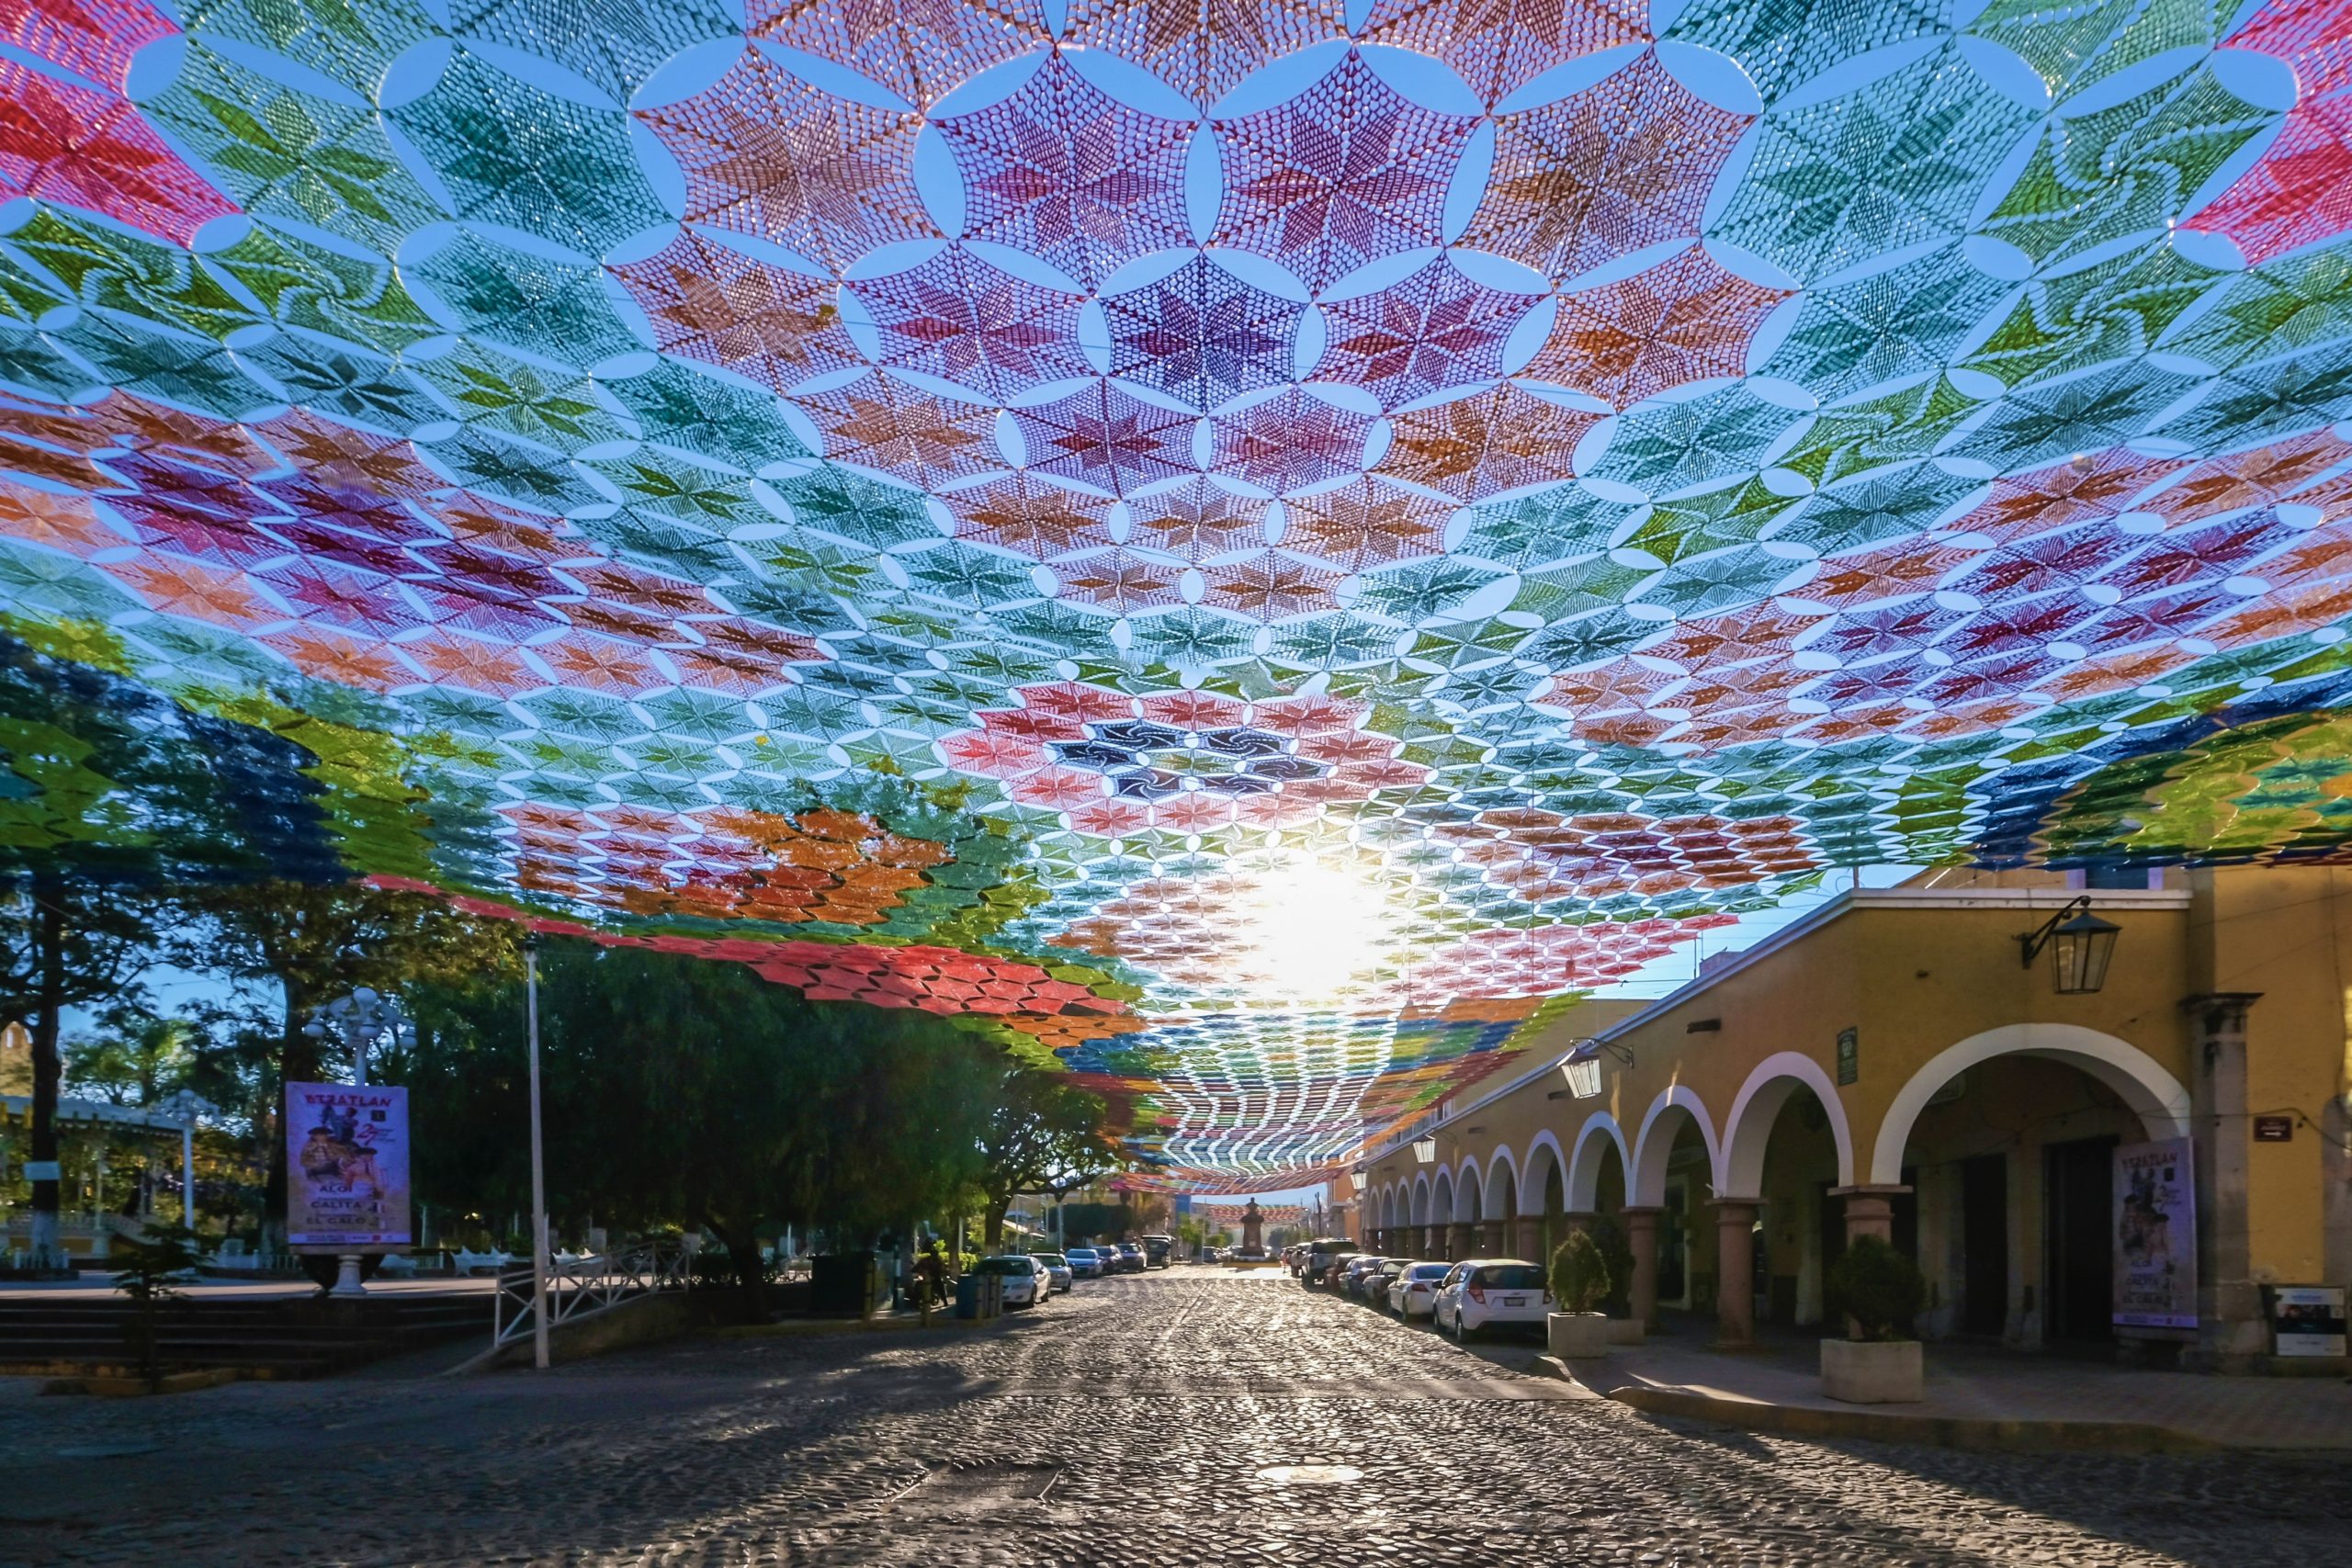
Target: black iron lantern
[[2080, 946]]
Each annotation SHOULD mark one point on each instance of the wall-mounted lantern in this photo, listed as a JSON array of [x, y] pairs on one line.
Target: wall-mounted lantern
[[1425, 1150], [1582, 1068], [2080, 946]]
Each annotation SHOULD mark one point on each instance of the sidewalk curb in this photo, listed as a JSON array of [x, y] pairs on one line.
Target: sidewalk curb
[[1976, 1433], [799, 1327], [129, 1385]]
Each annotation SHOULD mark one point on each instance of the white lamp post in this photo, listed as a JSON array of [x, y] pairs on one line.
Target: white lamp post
[[186, 1106], [363, 1017]]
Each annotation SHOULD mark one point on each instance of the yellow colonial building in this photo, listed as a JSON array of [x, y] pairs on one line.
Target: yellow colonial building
[[2138, 1164]]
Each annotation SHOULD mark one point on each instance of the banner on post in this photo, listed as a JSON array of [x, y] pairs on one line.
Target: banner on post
[[347, 1168], [2156, 1235]]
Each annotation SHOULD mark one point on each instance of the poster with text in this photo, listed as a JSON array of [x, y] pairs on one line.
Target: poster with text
[[2156, 1235], [346, 1167]]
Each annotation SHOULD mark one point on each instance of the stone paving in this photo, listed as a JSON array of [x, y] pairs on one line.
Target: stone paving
[[1125, 1424]]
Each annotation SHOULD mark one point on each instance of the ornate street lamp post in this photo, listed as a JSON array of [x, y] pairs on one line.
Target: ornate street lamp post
[[363, 1019]]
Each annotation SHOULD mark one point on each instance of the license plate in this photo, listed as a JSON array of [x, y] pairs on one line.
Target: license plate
[[1514, 1301]]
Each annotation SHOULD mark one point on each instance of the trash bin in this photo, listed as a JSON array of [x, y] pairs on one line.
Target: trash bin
[[843, 1283], [979, 1296]]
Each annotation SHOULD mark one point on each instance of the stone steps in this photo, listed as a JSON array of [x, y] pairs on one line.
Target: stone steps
[[293, 1338]]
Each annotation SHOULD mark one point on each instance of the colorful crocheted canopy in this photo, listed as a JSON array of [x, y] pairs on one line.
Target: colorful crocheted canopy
[[1247, 549]]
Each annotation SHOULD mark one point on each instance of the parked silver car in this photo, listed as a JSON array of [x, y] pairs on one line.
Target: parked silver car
[[1413, 1292]]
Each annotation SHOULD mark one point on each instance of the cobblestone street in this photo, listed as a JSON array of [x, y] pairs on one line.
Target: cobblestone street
[[1127, 1423]]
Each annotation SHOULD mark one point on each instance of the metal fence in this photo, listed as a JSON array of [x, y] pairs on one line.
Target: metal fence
[[583, 1287]]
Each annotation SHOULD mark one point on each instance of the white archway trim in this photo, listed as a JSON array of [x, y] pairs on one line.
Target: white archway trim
[[1749, 1130], [1493, 1206], [1580, 1188], [1467, 1189], [2153, 1094], [1533, 1170], [1654, 1143], [1420, 1212]]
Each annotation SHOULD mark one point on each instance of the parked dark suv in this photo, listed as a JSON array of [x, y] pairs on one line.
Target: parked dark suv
[[1157, 1250], [1321, 1254]]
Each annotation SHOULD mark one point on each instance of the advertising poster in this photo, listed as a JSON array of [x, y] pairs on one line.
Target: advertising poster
[[2156, 1235], [346, 1167], [2307, 1320]]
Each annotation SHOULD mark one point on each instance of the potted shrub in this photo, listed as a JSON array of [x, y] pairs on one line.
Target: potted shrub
[[1881, 1293], [1579, 1279]]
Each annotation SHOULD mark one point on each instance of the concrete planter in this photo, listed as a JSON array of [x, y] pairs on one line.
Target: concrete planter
[[1625, 1331], [1872, 1372], [1577, 1336]]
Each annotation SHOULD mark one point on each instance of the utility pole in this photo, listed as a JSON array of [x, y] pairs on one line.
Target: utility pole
[[539, 1165]]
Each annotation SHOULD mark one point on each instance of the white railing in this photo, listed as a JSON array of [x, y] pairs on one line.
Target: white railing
[[582, 1287]]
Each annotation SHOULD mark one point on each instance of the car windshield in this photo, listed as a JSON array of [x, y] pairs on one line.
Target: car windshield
[[1051, 1259], [1003, 1266], [1430, 1270], [1512, 1277]]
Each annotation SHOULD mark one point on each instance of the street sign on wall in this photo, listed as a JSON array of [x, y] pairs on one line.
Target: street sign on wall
[[347, 1168]]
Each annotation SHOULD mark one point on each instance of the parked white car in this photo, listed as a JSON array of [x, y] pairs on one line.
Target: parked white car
[[1026, 1282], [1413, 1293], [1480, 1294], [1058, 1269]]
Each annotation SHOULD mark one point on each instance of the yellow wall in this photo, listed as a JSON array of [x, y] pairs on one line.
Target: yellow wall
[[1916, 974], [2286, 933]]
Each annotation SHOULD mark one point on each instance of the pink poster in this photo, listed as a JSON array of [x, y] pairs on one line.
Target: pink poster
[[346, 1167], [2156, 1235]]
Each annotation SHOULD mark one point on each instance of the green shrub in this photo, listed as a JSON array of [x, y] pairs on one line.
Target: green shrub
[[1617, 1252], [151, 1264], [1879, 1287], [1579, 1274]]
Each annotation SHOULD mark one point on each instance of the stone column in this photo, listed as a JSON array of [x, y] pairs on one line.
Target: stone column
[[1460, 1240], [2231, 1337], [1528, 1243], [1574, 1220], [1869, 1211], [1433, 1241], [1735, 1272], [1641, 1234]]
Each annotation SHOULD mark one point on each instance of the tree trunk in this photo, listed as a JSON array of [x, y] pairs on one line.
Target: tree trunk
[[995, 1230], [49, 958], [298, 1062], [750, 1269]]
